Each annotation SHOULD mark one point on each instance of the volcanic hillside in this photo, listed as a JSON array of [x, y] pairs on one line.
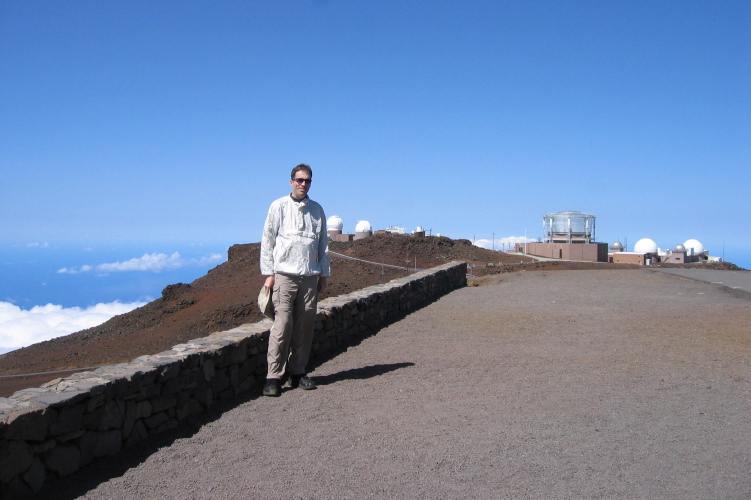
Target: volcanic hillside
[[225, 298]]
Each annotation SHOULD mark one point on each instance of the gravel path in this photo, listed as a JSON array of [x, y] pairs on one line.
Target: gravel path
[[567, 384], [734, 280]]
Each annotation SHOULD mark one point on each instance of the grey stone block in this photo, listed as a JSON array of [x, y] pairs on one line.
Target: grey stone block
[[144, 409], [15, 458], [149, 391], [156, 420], [70, 436], [59, 399], [208, 369], [108, 443], [87, 445], [107, 417], [191, 407], [34, 475], [64, 459], [29, 424], [95, 402], [203, 395], [220, 382], [139, 434], [129, 418], [68, 419], [166, 425], [44, 447], [163, 403]]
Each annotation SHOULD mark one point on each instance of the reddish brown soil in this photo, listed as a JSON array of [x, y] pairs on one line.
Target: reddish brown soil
[[226, 298]]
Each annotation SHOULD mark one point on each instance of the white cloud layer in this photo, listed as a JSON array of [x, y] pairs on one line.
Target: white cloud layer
[[505, 244], [154, 262], [20, 327]]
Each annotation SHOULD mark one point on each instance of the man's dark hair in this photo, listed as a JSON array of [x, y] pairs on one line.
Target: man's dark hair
[[304, 168]]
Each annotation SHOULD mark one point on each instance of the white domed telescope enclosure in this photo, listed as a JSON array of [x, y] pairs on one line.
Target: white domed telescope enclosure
[[334, 228], [569, 227], [363, 229], [334, 225], [694, 247], [646, 245]]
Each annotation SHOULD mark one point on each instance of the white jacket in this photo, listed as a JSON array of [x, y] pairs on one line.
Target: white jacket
[[294, 239]]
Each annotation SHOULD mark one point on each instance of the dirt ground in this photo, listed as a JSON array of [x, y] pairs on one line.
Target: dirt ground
[[226, 297], [569, 384]]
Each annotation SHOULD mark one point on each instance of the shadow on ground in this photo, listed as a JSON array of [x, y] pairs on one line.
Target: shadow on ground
[[360, 373], [107, 468]]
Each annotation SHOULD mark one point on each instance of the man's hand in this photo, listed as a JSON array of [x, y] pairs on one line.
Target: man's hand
[[269, 283], [322, 285]]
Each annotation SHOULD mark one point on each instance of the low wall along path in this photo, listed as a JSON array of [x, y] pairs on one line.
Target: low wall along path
[[55, 430]]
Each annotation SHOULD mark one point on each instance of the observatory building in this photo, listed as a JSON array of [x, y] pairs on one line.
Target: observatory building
[[569, 227], [334, 227], [363, 229], [647, 252], [693, 251], [569, 235]]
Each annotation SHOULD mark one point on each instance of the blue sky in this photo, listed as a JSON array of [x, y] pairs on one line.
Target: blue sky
[[180, 120], [171, 123]]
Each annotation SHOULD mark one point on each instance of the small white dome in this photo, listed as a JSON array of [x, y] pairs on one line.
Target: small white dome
[[363, 227], [617, 246], [334, 223], [694, 245], [645, 245], [679, 248]]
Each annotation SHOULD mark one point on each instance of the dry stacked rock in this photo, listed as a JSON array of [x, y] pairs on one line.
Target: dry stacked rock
[[54, 430]]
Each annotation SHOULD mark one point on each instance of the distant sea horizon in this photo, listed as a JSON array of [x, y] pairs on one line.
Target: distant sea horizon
[[48, 290]]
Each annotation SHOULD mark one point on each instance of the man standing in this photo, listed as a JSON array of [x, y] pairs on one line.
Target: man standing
[[294, 256]]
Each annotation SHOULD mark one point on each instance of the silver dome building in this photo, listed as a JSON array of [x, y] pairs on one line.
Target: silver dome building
[[569, 227]]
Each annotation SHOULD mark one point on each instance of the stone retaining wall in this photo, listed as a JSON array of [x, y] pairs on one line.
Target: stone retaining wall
[[60, 427]]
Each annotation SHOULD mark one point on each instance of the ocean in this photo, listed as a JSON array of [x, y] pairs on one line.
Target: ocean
[[48, 289]]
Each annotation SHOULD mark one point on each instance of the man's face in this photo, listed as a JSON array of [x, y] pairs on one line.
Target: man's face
[[300, 184]]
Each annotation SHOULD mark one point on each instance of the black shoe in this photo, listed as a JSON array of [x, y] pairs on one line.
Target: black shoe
[[272, 388], [302, 381]]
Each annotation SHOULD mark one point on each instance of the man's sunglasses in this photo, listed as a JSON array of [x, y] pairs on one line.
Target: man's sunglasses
[[302, 181]]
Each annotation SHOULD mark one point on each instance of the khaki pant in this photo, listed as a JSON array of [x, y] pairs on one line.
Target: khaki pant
[[295, 304]]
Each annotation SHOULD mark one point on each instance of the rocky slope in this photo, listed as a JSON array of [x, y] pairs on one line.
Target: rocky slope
[[226, 297]]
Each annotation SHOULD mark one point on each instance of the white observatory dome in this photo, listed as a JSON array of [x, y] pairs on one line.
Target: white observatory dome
[[645, 245], [334, 223], [693, 247], [363, 227], [679, 248]]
